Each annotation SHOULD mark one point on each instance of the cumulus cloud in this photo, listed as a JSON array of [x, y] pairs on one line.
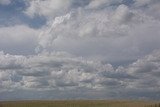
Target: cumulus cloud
[[45, 37], [5, 2], [120, 34], [62, 71], [147, 71], [87, 49], [54, 70], [47, 8], [50, 8]]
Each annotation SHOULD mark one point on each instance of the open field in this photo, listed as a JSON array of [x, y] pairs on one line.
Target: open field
[[79, 103]]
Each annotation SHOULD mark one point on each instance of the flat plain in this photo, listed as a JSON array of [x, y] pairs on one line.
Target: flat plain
[[79, 103]]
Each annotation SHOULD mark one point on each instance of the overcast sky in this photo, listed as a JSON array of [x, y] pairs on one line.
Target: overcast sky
[[79, 49]]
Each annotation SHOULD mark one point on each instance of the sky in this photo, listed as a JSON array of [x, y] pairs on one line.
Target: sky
[[79, 49]]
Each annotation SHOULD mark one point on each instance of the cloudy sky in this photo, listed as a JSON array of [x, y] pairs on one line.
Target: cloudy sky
[[79, 49]]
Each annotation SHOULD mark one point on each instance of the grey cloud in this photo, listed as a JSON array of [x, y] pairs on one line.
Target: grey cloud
[[76, 73], [149, 63], [145, 2], [147, 67], [61, 83], [101, 3], [146, 74], [111, 83], [119, 34], [33, 73], [114, 34], [73, 45], [73, 71], [57, 7], [38, 7], [150, 7], [5, 2], [33, 82], [123, 15], [18, 39], [11, 62]]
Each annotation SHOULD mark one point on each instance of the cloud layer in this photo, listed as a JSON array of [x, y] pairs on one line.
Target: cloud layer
[[60, 72], [117, 34], [86, 49]]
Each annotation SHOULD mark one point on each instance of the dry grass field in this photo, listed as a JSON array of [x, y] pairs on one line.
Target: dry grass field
[[79, 103]]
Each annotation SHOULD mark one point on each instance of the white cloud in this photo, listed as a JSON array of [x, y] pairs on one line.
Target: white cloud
[[10, 62], [46, 36], [47, 8], [5, 2], [53, 71], [147, 71], [50, 8], [149, 64], [113, 35], [61, 71], [123, 14], [74, 50]]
